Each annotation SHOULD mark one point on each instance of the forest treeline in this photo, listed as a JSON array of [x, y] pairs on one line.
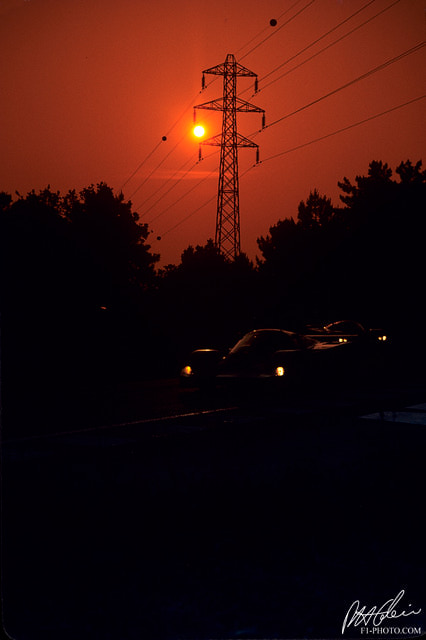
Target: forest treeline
[[83, 298]]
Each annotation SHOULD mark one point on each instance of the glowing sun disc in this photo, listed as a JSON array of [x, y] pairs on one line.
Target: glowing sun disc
[[199, 131]]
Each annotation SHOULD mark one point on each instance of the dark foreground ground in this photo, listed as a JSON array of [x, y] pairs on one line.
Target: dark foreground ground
[[262, 521]]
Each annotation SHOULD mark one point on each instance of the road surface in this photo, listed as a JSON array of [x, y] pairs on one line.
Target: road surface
[[199, 519]]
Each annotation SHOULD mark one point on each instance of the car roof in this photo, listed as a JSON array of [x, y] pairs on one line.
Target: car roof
[[259, 331]]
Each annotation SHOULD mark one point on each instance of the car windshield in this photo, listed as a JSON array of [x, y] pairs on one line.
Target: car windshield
[[271, 340], [345, 326]]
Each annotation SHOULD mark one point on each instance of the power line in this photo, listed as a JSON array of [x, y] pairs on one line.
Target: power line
[[182, 177], [347, 128], [211, 199], [267, 29], [183, 196], [279, 28], [164, 138], [189, 215], [387, 63], [142, 163], [369, 73], [174, 185], [332, 44], [324, 35], [316, 101], [145, 180], [301, 146], [270, 35], [161, 187]]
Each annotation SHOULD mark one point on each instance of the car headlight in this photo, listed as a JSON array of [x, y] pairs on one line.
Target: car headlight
[[382, 338], [187, 371], [343, 340], [279, 371]]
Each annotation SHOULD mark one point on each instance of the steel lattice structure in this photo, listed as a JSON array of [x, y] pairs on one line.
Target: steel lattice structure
[[227, 235]]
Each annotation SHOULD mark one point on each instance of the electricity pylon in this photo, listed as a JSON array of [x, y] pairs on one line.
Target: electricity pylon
[[227, 236]]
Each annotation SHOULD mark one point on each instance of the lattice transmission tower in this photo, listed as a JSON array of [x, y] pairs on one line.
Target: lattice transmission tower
[[227, 235]]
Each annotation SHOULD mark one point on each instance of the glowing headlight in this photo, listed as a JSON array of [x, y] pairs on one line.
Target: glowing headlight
[[279, 371], [343, 339], [187, 371], [383, 338]]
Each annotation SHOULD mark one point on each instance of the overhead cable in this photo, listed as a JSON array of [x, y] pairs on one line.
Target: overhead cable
[[165, 183], [369, 73], [267, 28], [173, 186], [204, 204], [164, 138], [301, 146], [324, 35], [183, 196], [279, 29], [145, 180], [189, 216], [331, 44], [347, 128], [141, 164]]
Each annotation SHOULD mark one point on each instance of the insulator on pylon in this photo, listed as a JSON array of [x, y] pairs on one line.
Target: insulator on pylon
[[203, 81], [199, 153], [263, 120], [256, 85], [194, 116], [257, 155]]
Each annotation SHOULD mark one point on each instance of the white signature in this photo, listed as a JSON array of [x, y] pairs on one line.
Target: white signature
[[357, 615]]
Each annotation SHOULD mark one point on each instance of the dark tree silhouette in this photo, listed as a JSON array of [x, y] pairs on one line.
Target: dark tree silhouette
[[411, 174], [33, 238], [383, 256], [362, 260], [77, 249], [206, 299], [371, 200], [379, 176], [294, 257], [75, 271], [316, 212], [110, 241]]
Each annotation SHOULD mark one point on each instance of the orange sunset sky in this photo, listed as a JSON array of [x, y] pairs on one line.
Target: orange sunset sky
[[90, 87]]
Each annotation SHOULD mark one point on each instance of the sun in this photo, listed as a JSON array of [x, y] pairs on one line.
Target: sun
[[198, 131]]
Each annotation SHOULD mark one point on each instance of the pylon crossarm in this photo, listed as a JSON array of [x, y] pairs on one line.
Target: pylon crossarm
[[245, 142], [213, 105], [218, 70], [245, 107], [215, 141], [241, 106], [243, 71]]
